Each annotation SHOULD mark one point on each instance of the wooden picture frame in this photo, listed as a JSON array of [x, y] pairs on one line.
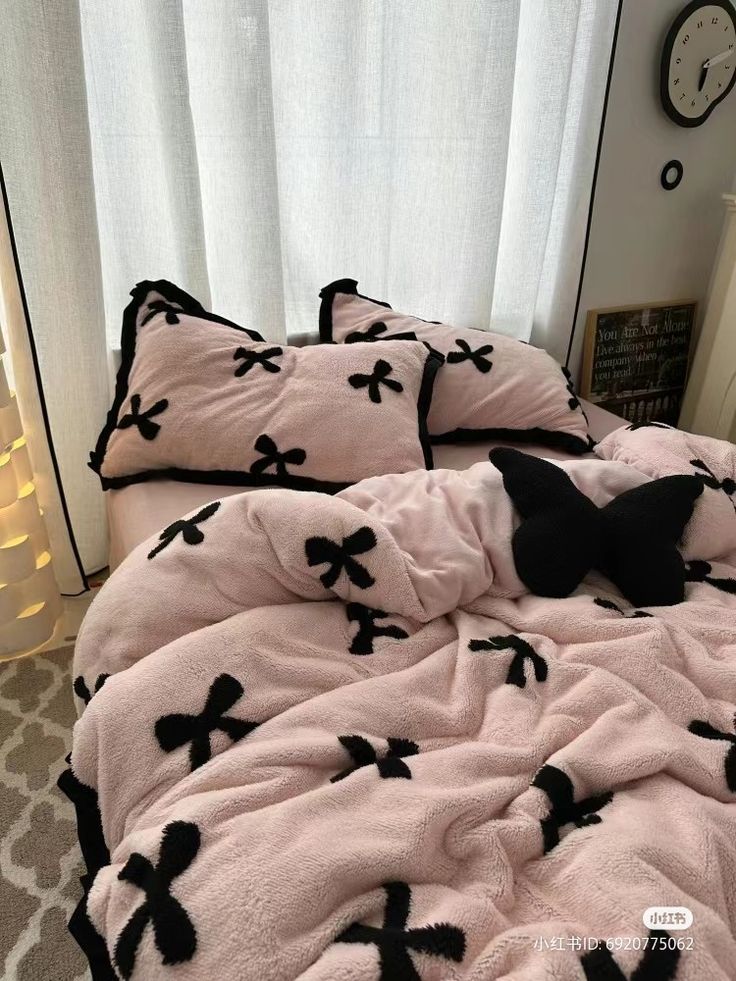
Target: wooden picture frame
[[636, 359]]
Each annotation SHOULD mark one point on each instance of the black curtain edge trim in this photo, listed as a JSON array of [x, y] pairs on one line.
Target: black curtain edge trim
[[39, 387], [552, 439], [128, 337], [431, 366], [96, 856], [594, 182]]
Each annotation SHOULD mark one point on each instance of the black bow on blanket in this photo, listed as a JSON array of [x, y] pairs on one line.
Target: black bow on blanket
[[563, 534], [173, 931]]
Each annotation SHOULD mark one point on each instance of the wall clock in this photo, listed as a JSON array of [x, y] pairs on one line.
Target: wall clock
[[698, 61]]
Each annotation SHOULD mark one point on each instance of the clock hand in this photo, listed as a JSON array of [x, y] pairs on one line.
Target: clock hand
[[716, 59], [703, 76]]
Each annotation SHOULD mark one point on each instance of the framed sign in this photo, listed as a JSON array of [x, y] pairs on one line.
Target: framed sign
[[636, 359]]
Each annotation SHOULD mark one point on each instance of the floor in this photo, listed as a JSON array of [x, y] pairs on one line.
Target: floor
[[40, 861]]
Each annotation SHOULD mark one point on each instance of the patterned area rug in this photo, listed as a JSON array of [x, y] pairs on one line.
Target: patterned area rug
[[40, 862]]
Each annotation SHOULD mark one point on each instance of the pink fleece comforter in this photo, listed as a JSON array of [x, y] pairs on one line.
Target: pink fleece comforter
[[333, 738]]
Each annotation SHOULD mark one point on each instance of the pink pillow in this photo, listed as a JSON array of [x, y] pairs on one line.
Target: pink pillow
[[200, 399], [492, 387]]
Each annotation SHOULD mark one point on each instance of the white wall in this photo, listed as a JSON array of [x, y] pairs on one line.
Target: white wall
[[648, 244]]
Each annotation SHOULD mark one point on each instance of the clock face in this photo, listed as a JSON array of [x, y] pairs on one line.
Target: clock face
[[699, 61]]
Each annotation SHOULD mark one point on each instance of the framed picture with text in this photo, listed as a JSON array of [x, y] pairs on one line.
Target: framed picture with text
[[636, 359]]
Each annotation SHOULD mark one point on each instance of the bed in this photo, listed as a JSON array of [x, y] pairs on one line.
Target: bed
[[469, 722], [136, 512]]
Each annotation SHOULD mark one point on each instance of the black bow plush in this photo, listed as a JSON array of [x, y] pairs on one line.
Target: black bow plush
[[563, 534]]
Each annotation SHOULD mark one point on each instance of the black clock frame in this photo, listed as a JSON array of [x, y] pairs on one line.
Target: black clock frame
[[669, 44]]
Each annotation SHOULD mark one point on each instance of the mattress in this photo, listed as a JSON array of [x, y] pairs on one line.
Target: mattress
[[139, 511]]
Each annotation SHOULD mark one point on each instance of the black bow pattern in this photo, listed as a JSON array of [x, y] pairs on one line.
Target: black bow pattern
[[727, 485], [162, 306], [522, 651], [478, 357], [563, 534], [173, 931], [363, 754], [252, 358], [565, 810], [394, 941], [368, 630], [658, 962], [341, 557], [272, 457], [700, 571], [177, 729], [82, 691], [381, 370], [371, 334], [704, 729], [143, 420], [187, 528], [610, 605]]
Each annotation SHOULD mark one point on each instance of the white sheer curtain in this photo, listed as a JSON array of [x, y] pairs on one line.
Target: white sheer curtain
[[439, 151]]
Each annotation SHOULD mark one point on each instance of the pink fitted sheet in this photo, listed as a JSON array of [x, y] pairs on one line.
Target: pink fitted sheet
[[139, 511]]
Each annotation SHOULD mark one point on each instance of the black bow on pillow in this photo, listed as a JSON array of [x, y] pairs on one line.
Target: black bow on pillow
[[563, 534]]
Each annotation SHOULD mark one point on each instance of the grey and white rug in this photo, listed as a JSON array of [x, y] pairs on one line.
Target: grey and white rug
[[40, 861]]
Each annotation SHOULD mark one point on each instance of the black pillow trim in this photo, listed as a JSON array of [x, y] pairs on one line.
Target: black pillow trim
[[230, 478], [553, 439], [128, 336], [244, 478], [406, 336], [431, 366], [327, 295], [96, 855]]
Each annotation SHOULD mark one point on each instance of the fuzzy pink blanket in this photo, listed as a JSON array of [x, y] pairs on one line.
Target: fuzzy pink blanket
[[333, 738]]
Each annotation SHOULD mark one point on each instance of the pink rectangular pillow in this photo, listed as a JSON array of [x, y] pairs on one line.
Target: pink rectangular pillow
[[200, 399], [492, 386]]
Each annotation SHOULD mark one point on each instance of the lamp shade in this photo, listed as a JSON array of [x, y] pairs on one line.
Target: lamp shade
[[30, 603]]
